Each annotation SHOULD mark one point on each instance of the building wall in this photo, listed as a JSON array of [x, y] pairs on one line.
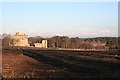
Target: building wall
[[38, 44], [42, 45], [20, 40]]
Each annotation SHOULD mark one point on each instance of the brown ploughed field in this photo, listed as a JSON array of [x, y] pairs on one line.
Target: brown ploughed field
[[49, 63]]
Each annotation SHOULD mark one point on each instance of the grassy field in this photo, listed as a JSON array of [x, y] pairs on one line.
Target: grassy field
[[49, 63]]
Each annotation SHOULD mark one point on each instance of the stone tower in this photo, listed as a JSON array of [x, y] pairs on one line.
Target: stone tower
[[44, 43], [20, 40]]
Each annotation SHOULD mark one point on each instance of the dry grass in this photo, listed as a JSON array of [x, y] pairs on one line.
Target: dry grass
[[48, 63]]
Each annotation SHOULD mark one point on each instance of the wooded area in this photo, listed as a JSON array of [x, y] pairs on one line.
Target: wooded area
[[70, 43]]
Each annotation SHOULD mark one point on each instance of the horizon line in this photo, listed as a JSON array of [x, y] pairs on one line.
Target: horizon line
[[58, 35]]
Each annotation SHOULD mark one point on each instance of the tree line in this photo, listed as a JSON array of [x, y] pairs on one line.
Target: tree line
[[70, 43]]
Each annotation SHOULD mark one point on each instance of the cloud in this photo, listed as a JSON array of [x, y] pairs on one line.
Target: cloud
[[105, 31], [82, 32], [87, 32], [109, 32]]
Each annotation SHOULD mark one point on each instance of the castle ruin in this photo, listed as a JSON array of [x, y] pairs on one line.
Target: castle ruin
[[22, 40], [42, 45]]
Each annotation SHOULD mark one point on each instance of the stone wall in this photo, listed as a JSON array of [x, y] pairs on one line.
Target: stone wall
[[20, 40], [42, 45]]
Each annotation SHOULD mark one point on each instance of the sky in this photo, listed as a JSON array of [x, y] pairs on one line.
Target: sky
[[81, 19]]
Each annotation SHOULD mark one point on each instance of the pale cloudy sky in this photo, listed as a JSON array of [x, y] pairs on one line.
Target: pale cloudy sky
[[82, 19]]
